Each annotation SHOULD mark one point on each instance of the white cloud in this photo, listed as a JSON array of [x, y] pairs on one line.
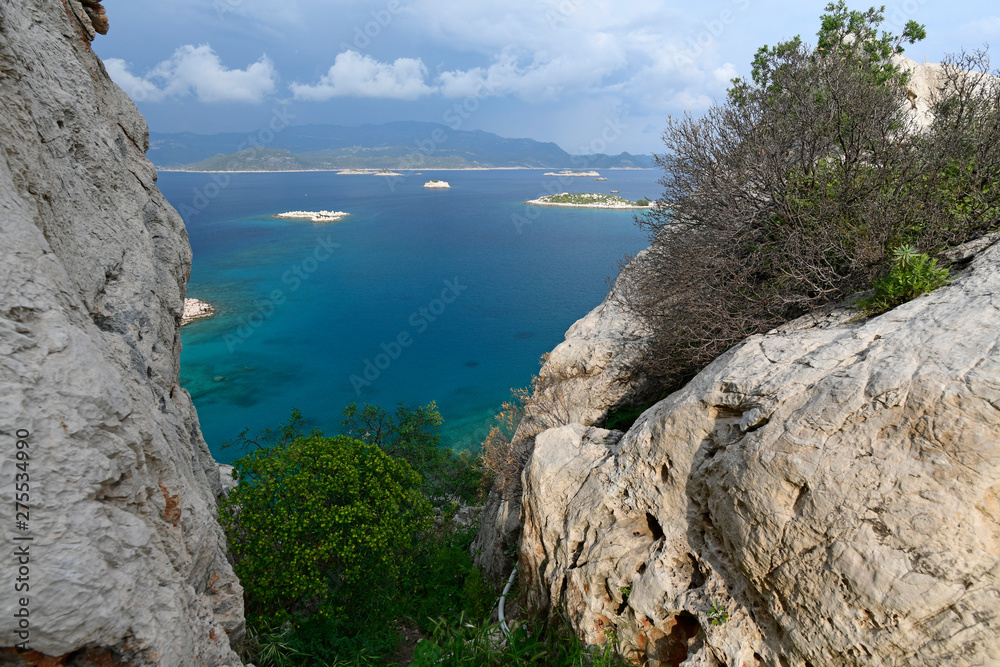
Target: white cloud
[[139, 89], [988, 26], [725, 74], [356, 75], [196, 70]]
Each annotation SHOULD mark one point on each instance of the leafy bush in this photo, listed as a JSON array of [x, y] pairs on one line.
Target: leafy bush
[[912, 274], [793, 193], [475, 644], [334, 542], [412, 434], [323, 531]]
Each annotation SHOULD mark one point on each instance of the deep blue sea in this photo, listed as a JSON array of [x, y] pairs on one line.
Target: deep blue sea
[[419, 295]]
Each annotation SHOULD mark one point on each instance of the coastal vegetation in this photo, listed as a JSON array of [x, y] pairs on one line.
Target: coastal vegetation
[[803, 186], [809, 184], [340, 540], [590, 200], [348, 544]]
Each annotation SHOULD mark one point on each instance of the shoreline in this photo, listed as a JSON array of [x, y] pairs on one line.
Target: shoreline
[[336, 171], [540, 202], [312, 216], [196, 309]]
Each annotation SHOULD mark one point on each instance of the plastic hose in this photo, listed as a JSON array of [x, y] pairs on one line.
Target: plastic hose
[[503, 596]]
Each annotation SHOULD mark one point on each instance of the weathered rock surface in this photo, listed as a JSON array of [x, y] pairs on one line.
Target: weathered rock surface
[[834, 486], [926, 79], [588, 374], [127, 559]]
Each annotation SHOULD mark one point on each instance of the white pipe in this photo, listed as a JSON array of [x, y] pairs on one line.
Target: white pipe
[[506, 589]]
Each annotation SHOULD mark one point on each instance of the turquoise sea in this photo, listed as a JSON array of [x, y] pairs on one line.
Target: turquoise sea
[[419, 295]]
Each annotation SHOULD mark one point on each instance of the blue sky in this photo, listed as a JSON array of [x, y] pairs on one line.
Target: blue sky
[[581, 73]]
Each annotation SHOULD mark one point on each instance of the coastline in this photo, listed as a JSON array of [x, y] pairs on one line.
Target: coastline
[[196, 309], [539, 202], [411, 171], [313, 216]]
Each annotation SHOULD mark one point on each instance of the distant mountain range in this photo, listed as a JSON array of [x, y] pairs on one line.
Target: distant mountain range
[[400, 145]]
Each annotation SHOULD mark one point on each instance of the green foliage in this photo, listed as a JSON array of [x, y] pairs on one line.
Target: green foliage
[[717, 614], [850, 34], [793, 193], [551, 644], [855, 33], [912, 274], [412, 434], [449, 584], [590, 199], [323, 531], [334, 542]]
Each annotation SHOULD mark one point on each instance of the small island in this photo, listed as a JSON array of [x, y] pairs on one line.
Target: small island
[[367, 172], [436, 184], [570, 172], [196, 309], [589, 200], [315, 216]]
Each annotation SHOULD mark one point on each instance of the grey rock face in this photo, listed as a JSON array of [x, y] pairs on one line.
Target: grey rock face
[[586, 375], [127, 558], [828, 494]]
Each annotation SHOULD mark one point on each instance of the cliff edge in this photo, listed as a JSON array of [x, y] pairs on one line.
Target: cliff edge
[[126, 561], [824, 494]]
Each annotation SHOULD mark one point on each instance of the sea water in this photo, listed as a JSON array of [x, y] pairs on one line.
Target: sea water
[[420, 295]]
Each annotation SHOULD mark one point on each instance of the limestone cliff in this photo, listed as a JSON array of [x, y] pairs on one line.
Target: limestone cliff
[[587, 375], [827, 494], [127, 560]]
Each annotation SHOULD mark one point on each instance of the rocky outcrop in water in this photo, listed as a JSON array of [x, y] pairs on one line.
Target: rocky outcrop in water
[[127, 561], [824, 494]]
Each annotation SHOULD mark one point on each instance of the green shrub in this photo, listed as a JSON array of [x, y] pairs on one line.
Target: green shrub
[[412, 434], [793, 193], [334, 542], [552, 644], [323, 531], [912, 274]]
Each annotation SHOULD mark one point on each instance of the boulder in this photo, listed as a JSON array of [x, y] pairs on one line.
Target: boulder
[[825, 494]]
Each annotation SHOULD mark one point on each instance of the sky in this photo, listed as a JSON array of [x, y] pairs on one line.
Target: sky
[[590, 75]]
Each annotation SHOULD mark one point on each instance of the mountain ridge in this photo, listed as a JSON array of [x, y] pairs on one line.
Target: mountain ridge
[[397, 145]]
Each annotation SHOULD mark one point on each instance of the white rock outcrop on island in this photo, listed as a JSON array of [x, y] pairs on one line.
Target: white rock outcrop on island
[[196, 309], [127, 559], [832, 487], [437, 184]]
